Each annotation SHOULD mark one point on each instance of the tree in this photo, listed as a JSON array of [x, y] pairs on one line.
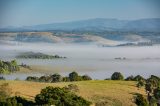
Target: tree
[[2, 78], [157, 95], [42, 79], [30, 78], [14, 62], [59, 97], [130, 78], [7, 67], [117, 76], [140, 83], [152, 88], [56, 78], [138, 78], [86, 77], [73, 76]]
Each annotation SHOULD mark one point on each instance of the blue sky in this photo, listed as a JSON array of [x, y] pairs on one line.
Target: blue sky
[[33, 12]]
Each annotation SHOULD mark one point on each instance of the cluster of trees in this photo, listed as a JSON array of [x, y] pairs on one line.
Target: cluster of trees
[[8, 67], [73, 76], [119, 76], [48, 96], [152, 87], [32, 55]]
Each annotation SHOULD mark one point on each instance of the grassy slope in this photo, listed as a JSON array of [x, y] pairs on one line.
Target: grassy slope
[[109, 92]]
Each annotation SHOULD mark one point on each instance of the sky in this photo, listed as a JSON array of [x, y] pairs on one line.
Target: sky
[[33, 12]]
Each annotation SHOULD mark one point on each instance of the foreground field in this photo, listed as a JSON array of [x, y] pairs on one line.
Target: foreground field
[[109, 93]]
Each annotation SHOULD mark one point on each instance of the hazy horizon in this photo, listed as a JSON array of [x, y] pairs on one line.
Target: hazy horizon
[[26, 13]]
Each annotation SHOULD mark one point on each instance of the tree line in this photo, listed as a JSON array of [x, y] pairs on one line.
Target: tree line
[[73, 76], [151, 85]]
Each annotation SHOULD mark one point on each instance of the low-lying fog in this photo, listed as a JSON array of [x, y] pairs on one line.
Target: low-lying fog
[[96, 61]]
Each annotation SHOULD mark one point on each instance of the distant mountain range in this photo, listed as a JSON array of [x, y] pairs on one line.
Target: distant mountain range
[[98, 24]]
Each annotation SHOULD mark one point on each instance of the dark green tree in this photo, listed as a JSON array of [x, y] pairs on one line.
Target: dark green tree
[[117, 76], [56, 78], [138, 78], [140, 83], [73, 76], [157, 95], [86, 77], [130, 78], [59, 97], [140, 100]]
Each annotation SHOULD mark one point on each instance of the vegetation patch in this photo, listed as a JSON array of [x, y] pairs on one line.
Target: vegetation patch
[[73, 76], [32, 55], [7, 67], [106, 101], [59, 97]]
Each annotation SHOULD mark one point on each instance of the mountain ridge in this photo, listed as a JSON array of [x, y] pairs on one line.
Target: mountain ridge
[[96, 24]]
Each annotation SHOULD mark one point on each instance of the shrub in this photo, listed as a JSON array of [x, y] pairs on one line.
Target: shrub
[[59, 97], [117, 76], [16, 101], [140, 100]]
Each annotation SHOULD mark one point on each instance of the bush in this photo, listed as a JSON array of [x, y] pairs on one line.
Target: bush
[[59, 97], [117, 76], [140, 100], [16, 101]]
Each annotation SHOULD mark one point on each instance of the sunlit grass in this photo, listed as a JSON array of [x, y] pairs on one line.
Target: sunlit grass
[[114, 93]]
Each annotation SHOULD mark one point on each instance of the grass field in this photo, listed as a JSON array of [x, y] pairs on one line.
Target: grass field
[[104, 92]]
